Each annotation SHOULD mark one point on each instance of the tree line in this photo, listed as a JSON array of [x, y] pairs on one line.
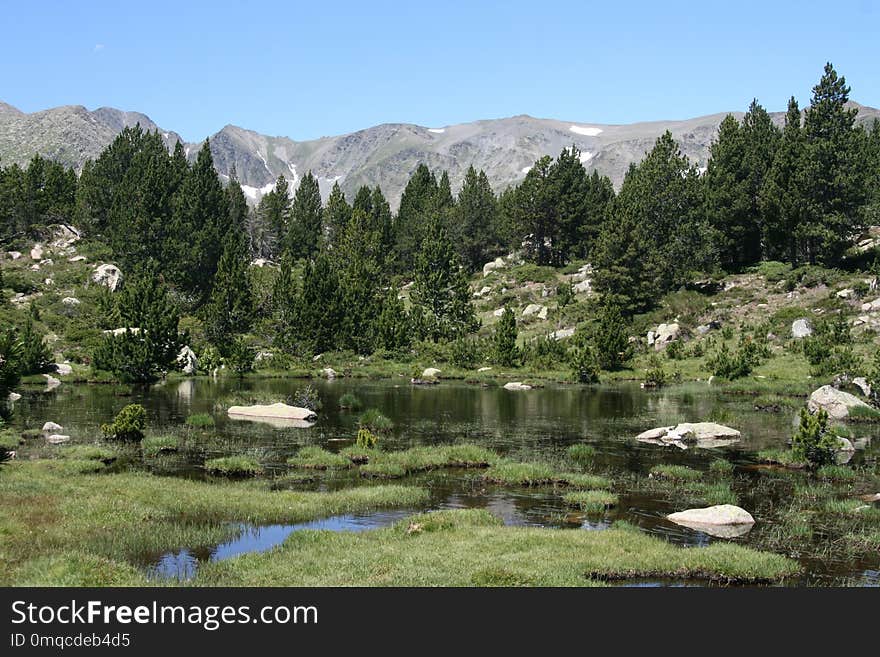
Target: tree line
[[799, 193]]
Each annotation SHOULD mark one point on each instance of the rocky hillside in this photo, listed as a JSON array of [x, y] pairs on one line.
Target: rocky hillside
[[385, 155]]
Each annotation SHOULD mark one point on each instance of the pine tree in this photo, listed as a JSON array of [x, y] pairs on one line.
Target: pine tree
[[475, 220], [599, 199], [304, 232], [336, 214], [270, 221], [230, 308], [34, 356], [417, 205], [393, 330], [309, 315], [570, 187], [151, 342], [504, 349], [611, 339], [358, 260], [10, 374], [440, 287], [534, 212], [781, 199], [833, 172]]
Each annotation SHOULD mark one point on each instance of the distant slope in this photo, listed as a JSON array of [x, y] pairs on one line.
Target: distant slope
[[384, 155]]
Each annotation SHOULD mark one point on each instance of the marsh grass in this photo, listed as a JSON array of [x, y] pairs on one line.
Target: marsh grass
[[541, 474], [350, 402], [470, 547], [590, 501], [420, 459], [784, 457], [154, 446], [318, 458], [234, 466], [581, 453], [675, 472], [721, 467], [200, 420], [836, 473], [866, 414], [60, 512]]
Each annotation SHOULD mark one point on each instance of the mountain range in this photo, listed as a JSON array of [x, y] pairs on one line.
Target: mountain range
[[384, 155]]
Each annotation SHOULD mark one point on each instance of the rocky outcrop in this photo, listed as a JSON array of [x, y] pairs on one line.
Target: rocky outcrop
[[70, 301], [801, 328], [489, 267], [562, 334], [836, 403], [696, 434], [63, 369], [663, 335], [57, 439], [110, 276], [722, 520]]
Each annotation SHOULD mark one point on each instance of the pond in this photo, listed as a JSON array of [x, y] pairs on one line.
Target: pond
[[531, 425]]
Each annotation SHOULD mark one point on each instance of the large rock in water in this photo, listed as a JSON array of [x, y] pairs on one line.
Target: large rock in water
[[517, 385], [800, 328], [430, 373], [836, 403], [278, 415], [698, 434], [722, 520], [110, 276]]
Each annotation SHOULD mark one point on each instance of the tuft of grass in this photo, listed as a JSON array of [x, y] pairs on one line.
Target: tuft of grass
[[373, 420], [715, 493], [784, 457], [318, 458], [88, 453], [836, 473], [419, 459], [200, 420], [234, 466], [721, 467], [540, 474], [350, 402], [676, 472], [157, 445], [581, 453], [864, 414], [591, 501]]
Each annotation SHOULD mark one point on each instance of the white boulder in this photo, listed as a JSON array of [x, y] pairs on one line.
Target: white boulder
[[52, 427], [57, 439], [723, 520], [37, 252], [489, 267], [278, 415], [535, 309], [110, 276], [517, 385], [63, 369], [562, 334], [70, 301], [663, 335], [14, 255], [79, 258], [699, 434], [329, 373], [430, 373], [836, 403], [583, 287], [800, 328]]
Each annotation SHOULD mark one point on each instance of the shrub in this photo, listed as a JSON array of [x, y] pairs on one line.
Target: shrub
[[584, 364], [544, 352], [308, 397], [675, 350], [504, 350], [655, 375], [813, 441], [374, 421], [35, 357], [465, 353], [350, 402], [240, 359], [128, 425], [611, 338], [564, 294], [366, 439]]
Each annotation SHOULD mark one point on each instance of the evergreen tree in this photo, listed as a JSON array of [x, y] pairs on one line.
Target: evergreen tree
[[270, 221], [34, 356], [304, 232], [230, 308], [781, 198], [309, 316], [475, 220], [833, 172], [393, 328], [569, 187], [534, 213], [504, 349], [611, 339], [599, 199], [336, 214], [10, 374], [440, 288], [200, 221], [417, 205], [151, 342]]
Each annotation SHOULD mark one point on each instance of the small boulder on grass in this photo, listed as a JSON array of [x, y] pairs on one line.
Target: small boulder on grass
[[591, 501], [234, 466]]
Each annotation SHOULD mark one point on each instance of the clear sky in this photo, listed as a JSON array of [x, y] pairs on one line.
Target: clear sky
[[321, 68]]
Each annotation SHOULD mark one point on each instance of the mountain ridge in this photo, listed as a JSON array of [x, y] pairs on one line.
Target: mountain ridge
[[384, 155]]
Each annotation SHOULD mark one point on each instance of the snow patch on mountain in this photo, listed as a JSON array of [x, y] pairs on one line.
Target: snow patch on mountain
[[255, 193], [586, 131], [439, 131]]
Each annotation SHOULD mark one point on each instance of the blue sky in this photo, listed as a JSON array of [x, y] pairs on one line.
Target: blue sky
[[311, 69]]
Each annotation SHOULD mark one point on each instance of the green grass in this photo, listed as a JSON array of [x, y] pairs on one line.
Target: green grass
[[471, 547], [581, 453], [591, 501], [721, 467], [419, 459], [318, 458], [9, 439], [540, 474], [783, 457], [373, 420], [88, 453], [234, 466], [676, 472], [155, 445], [55, 515], [863, 414], [200, 420], [836, 473]]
